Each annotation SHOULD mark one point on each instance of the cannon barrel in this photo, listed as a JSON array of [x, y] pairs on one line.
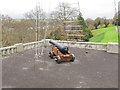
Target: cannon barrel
[[63, 49]]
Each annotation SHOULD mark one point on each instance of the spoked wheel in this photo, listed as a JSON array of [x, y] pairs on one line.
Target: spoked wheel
[[73, 58], [58, 59], [51, 55]]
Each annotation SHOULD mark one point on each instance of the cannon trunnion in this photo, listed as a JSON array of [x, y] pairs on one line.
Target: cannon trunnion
[[60, 53]]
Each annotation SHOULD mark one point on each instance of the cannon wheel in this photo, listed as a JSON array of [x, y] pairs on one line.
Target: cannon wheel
[[58, 59], [73, 58], [51, 55]]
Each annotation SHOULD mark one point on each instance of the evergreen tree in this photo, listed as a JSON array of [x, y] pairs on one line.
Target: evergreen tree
[[95, 25], [82, 21], [86, 32]]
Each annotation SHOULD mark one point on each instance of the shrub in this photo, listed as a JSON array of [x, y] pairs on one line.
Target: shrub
[[110, 25], [99, 26], [88, 34], [91, 27]]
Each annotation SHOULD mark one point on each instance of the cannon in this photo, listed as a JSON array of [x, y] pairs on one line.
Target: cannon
[[60, 52]]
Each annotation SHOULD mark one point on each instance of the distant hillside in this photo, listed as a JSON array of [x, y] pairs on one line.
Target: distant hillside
[[104, 35]]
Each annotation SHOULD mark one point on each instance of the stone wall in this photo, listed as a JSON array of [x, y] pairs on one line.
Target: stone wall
[[108, 47], [0, 34], [19, 48]]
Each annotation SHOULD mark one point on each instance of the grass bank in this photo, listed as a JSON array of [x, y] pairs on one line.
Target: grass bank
[[104, 35]]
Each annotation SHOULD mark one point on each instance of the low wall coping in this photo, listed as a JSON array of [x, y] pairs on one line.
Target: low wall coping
[[106, 46], [8, 47]]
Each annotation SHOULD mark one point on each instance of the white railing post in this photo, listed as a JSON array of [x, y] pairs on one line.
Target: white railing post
[[19, 47], [112, 48]]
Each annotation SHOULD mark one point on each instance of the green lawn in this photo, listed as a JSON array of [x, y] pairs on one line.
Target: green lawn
[[18, 20], [104, 35]]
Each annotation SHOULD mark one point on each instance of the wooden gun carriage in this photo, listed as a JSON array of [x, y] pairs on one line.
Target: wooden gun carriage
[[60, 53]]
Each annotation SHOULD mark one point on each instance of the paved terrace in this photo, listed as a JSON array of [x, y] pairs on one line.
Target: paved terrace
[[91, 69]]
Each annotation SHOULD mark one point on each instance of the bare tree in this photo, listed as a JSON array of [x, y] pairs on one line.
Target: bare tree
[[7, 27], [39, 14], [65, 11], [0, 31], [89, 21], [32, 15]]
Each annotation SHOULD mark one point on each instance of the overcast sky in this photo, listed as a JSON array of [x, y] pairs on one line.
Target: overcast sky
[[89, 8]]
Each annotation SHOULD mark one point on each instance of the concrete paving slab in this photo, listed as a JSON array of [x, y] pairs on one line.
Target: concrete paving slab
[[91, 69]]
